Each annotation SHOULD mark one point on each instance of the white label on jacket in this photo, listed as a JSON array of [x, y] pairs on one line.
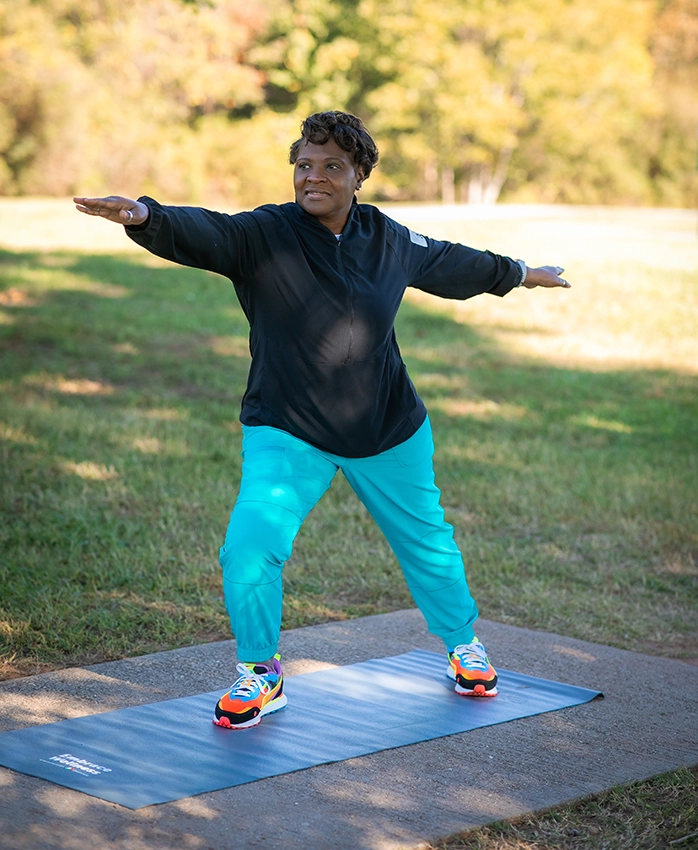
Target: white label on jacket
[[417, 239]]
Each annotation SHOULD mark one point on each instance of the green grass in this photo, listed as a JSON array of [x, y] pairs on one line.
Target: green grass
[[659, 814], [569, 474], [566, 431]]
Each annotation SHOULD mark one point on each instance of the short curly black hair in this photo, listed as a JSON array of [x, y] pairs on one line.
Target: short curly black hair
[[346, 130]]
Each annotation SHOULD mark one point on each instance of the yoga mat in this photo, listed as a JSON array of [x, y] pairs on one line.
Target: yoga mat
[[169, 750]]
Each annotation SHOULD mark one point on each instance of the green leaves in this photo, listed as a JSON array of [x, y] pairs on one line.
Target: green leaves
[[545, 100]]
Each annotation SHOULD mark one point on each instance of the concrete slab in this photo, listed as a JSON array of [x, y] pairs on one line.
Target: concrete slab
[[385, 801]]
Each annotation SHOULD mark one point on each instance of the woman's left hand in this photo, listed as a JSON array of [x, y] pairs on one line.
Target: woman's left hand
[[546, 276]]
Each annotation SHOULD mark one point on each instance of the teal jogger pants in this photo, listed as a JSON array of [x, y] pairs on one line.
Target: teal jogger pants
[[282, 480]]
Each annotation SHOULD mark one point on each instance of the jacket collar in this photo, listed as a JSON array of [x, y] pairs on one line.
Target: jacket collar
[[310, 219]]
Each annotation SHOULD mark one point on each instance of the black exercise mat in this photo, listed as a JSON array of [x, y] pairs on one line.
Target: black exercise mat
[[168, 750]]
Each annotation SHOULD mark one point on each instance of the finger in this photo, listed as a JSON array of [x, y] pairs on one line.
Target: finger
[[113, 208], [110, 203], [91, 206], [87, 210], [91, 203]]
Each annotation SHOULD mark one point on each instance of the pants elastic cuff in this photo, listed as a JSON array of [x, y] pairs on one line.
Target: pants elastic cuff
[[454, 639], [256, 655]]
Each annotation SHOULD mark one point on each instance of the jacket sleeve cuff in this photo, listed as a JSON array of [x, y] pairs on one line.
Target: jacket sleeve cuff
[[151, 225], [510, 280]]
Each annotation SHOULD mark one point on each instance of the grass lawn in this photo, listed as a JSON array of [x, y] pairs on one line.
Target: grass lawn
[[659, 814], [566, 425]]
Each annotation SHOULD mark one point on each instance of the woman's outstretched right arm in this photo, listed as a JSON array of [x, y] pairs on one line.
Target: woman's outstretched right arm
[[190, 236]]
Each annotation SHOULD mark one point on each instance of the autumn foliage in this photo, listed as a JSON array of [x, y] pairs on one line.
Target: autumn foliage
[[577, 101]]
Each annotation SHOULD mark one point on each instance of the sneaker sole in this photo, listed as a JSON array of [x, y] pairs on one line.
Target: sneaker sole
[[480, 690], [270, 708], [477, 691]]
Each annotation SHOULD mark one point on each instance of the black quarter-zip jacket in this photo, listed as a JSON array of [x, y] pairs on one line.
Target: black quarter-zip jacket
[[326, 366]]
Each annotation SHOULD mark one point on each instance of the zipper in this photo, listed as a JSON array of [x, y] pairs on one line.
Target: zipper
[[340, 267]]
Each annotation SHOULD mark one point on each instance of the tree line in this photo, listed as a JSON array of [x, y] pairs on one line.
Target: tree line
[[576, 101]]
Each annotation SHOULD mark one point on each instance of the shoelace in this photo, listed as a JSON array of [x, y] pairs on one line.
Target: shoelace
[[472, 655], [248, 681]]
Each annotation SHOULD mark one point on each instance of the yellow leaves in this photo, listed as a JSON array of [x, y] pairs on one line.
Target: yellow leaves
[[105, 89], [231, 150], [300, 46], [336, 55], [137, 94], [675, 37]]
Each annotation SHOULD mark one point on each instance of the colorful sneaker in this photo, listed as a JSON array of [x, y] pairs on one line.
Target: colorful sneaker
[[257, 692], [471, 670]]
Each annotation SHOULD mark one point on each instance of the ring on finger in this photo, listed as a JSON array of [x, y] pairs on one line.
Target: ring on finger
[[129, 215]]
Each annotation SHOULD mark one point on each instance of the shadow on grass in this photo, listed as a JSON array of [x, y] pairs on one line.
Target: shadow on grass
[[122, 378]]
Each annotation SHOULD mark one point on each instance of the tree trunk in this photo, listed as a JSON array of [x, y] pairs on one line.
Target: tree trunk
[[448, 185], [475, 187], [485, 184], [496, 181], [431, 180]]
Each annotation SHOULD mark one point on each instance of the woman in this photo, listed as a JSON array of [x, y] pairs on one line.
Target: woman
[[320, 281]]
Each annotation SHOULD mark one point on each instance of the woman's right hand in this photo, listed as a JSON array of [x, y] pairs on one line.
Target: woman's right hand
[[119, 210]]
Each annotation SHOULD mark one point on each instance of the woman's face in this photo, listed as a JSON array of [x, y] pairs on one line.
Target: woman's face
[[325, 178]]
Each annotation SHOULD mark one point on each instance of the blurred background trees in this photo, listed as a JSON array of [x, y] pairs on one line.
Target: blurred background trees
[[577, 101]]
